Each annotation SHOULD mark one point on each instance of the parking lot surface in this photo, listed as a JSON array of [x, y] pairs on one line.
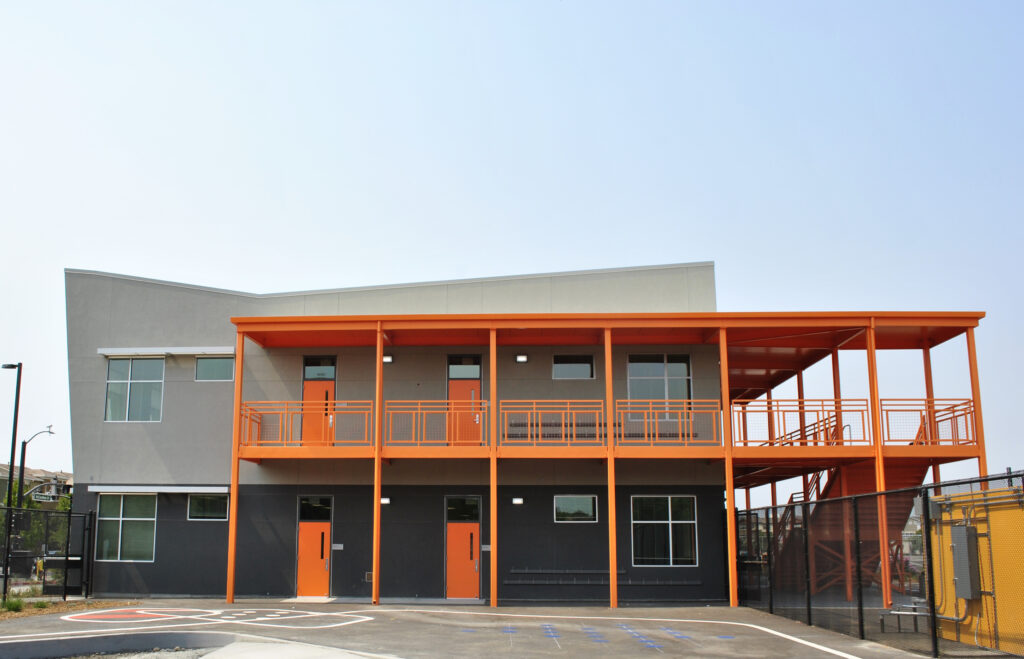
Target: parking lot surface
[[331, 629]]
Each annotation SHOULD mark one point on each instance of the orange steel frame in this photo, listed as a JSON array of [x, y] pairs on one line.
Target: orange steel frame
[[742, 338]]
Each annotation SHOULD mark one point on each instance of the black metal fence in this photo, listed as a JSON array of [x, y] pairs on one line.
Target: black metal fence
[[952, 557], [48, 553]]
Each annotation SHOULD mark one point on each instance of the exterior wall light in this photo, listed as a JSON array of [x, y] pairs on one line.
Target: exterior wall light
[[388, 359], [385, 501], [517, 501], [522, 359]]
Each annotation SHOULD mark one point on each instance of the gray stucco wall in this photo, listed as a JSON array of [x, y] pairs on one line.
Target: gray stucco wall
[[191, 444]]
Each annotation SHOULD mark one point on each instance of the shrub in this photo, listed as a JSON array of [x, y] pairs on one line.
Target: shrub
[[14, 604], [41, 604]]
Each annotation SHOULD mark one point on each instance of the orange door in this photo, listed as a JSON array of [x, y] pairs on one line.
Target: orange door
[[317, 413], [463, 560], [464, 417], [314, 564]]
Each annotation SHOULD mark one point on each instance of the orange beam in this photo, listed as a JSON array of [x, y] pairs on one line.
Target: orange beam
[[493, 447], [236, 431], [378, 408], [730, 492], [979, 426], [876, 432], [613, 556]]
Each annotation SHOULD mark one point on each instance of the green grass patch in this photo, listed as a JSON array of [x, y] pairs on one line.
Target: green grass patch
[[41, 604], [14, 604]]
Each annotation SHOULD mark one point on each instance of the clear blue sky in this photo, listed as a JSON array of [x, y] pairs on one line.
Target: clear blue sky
[[842, 155]]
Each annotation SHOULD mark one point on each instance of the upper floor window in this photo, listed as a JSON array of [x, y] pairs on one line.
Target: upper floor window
[[212, 369], [572, 367], [463, 367], [659, 377], [135, 389]]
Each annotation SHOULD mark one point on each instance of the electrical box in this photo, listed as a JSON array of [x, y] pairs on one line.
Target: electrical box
[[966, 576]]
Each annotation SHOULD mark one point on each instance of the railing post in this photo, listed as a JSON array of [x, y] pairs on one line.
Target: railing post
[[236, 429]]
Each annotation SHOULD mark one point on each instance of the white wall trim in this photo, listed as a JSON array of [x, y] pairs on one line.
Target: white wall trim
[[159, 489], [163, 351]]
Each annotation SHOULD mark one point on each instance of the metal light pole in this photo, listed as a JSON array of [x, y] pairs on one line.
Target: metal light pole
[[14, 433], [21, 468], [9, 519]]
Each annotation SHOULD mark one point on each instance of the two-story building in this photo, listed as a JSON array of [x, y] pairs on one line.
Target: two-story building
[[570, 437]]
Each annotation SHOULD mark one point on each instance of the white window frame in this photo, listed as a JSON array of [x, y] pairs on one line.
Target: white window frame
[[669, 522], [188, 508], [554, 510], [593, 367], [128, 392], [120, 524], [230, 379]]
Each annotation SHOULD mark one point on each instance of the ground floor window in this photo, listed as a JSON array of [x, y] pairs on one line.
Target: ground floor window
[[126, 530], [664, 531], [207, 506], [575, 508]]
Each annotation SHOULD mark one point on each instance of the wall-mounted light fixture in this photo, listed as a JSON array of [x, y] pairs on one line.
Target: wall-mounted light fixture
[[522, 359], [388, 359], [385, 501], [517, 501]]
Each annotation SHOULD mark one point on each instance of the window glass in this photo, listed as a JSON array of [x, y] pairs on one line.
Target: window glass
[[215, 368], [646, 366], [677, 366], [144, 401], [678, 389], [318, 368], [117, 401], [650, 508], [462, 509], [572, 367], [647, 389], [684, 544], [147, 369], [463, 367], [207, 506], [126, 530], [659, 377], [650, 544], [575, 508], [107, 533], [682, 509], [314, 509], [135, 390], [110, 505], [137, 540], [118, 369]]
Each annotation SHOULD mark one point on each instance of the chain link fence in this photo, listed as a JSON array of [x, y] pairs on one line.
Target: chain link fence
[[48, 552], [951, 564]]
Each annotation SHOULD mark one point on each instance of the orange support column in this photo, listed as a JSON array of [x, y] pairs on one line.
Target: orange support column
[[929, 392], [979, 427], [730, 491], [609, 419], [493, 402], [803, 413], [236, 432], [378, 445], [876, 434]]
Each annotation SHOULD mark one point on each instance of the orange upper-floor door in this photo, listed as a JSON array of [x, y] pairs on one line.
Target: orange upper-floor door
[[318, 391], [465, 418]]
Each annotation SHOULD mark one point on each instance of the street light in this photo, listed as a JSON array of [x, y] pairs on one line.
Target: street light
[[10, 480], [21, 469], [14, 432]]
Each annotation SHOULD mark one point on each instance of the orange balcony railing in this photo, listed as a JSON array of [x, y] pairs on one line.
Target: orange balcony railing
[[935, 421], [435, 423], [667, 423], [552, 423], [818, 422], [304, 423]]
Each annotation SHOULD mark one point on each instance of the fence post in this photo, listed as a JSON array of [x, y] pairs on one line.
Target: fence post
[[807, 558], [860, 583], [8, 521], [930, 574], [67, 557]]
